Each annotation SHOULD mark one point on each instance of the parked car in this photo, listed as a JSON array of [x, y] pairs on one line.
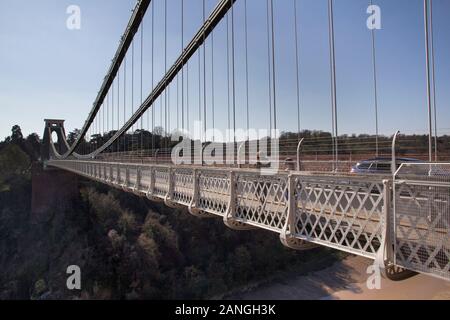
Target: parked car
[[380, 165]]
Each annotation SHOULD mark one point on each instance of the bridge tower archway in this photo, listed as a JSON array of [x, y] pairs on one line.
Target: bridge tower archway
[[53, 127]]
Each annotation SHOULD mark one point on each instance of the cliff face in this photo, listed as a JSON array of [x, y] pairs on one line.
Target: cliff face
[[41, 232], [52, 189]]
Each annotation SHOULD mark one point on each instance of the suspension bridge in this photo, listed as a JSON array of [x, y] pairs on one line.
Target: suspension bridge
[[399, 218]]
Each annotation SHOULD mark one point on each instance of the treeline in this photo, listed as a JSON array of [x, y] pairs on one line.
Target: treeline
[[321, 143], [138, 140], [16, 155], [316, 142]]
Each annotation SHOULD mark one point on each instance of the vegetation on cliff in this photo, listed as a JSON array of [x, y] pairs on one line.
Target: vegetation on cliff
[[127, 247]]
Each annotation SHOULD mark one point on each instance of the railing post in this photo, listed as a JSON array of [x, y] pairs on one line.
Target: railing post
[[385, 250], [232, 205], [239, 154], [229, 219], [389, 216], [150, 188], [298, 153], [152, 181], [203, 155], [127, 177], [287, 235], [193, 205], [393, 162], [169, 196], [385, 258], [111, 173], [137, 186], [119, 178]]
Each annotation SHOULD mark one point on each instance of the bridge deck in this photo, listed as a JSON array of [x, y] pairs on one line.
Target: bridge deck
[[345, 212]]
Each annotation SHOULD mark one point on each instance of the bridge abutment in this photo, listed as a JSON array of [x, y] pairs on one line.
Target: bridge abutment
[[52, 189]]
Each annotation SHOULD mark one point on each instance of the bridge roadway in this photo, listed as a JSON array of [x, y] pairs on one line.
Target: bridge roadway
[[342, 211]]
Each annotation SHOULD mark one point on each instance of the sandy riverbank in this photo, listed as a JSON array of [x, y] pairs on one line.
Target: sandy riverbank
[[347, 280]]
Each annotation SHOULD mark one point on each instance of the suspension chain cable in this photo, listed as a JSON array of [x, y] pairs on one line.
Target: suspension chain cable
[[187, 96], [132, 95], [246, 70], [204, 78], [297, 63], [333, 81], [268, 66], [125, 146], [112, 111], [228, 78], [233, 75], [165, 71], [161, 125], [182, 69], [199, 88], [427, 57], [434, 83], [141, 89], [178, 102], [153, 75], [103, 118], [118, 107], [273, 68], [375, 87], [212, 85], [107, 113], [168, 114]]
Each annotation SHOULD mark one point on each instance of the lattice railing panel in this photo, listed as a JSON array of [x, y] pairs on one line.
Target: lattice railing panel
[[342, 213], [422, 218], [162, 178], [214, 192], [145, 179], [133, 174], [183, 190], [262, 200]]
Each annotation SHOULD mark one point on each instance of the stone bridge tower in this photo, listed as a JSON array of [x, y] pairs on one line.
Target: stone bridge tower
[[57, 126]]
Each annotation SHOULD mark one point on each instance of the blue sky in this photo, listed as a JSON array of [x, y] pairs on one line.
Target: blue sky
[[48, 71]]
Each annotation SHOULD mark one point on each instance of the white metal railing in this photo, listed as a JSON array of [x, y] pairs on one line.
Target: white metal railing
[[422, 218], [405, 221], [339, 211]]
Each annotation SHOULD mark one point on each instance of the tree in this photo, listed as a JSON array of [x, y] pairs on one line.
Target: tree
[[16, 136], [72, 136], [14, 164], [33, 146]]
